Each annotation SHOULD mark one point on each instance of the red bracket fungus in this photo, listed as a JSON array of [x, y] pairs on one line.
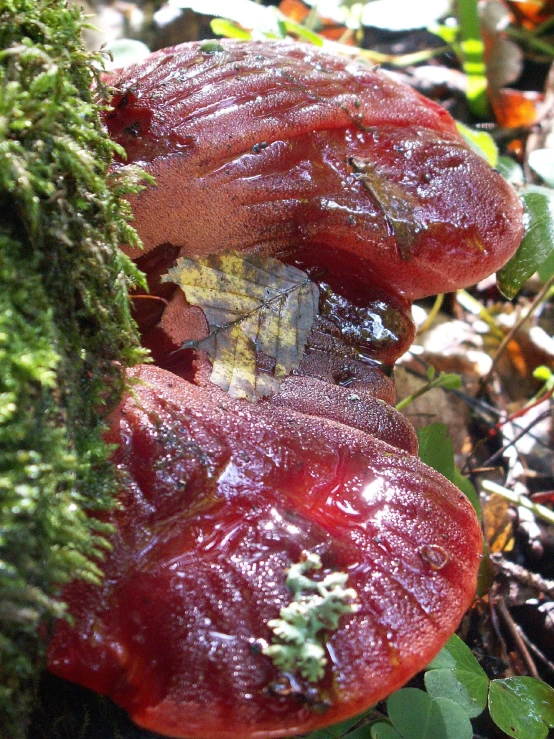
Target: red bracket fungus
[[333, 167]]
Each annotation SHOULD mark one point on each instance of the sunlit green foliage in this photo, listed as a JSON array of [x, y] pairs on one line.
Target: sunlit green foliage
[[538, 240]]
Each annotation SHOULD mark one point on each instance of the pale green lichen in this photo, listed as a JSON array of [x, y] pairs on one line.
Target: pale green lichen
[[299, 633]]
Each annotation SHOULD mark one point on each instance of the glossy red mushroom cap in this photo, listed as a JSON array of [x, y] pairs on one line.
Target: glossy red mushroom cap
[[219, 498], [282, 148], [331, 166]]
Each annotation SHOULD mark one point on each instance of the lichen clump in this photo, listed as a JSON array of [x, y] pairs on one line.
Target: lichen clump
[[299, 632], [65, 327]]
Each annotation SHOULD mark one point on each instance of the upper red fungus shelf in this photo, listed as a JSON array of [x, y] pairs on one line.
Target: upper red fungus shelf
[[277, 147]]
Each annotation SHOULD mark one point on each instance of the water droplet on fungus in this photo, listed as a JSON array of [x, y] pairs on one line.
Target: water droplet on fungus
[[436, 557]]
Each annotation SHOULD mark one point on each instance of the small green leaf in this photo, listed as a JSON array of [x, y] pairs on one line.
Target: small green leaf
[[481, 142], [362, 732], [435, 448], [302, 32], [456, 674], [511, 171], [546, 270], [456, 655], [409, 710], [450, 719], [448, 380], [383, 730], [544, 374], [537, 244], [415, 715], [336, 731], [229, 29], [523, 707]]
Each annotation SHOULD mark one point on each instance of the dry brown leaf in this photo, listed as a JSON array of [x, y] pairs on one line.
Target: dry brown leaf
[[498, 524], [517, 108], [252, 304]]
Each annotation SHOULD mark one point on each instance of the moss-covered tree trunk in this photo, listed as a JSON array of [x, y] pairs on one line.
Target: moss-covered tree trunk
[[65, 328]]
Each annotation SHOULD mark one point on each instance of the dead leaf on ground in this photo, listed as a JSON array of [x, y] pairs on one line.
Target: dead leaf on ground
[[252, 304], [517, 108], [498, 524]]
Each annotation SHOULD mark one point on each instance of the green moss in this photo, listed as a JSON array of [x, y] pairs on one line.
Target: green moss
[[65, 328]]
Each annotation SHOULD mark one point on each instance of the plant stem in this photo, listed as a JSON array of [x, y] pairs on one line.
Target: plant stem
[[433, 313], [312, 18], [447, 380], [467, 301], [541, 295], [543, 27], [528, 38], [472, 51], [539, 510]]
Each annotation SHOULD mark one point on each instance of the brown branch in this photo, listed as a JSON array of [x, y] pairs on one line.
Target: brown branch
[[523, 575], [513, 331], [514, 630]]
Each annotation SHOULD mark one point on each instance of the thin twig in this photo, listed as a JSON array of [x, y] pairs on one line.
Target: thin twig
[[444, 380], [433, 313], [539, 510], [523, 576], [522, 411], [513, 331], [517, 437], [487, 412], [474, 306], [527, 37], [536, 651], [512, 627]]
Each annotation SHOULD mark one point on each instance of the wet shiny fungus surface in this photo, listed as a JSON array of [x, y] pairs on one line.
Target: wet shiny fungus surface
[[219, 498], [332, 167], [277, 147]]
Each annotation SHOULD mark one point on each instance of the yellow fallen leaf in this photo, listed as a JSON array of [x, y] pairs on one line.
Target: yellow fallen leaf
[[499, 530], [252, 304]]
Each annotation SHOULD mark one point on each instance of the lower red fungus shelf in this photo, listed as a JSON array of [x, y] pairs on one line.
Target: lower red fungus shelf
[[218, 498]]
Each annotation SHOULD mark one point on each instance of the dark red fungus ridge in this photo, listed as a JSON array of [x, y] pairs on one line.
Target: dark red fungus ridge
[[285, 147], [218, 498], [333, 167]]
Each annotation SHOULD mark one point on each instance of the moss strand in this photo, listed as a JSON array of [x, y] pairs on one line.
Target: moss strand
[[65, 327]]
